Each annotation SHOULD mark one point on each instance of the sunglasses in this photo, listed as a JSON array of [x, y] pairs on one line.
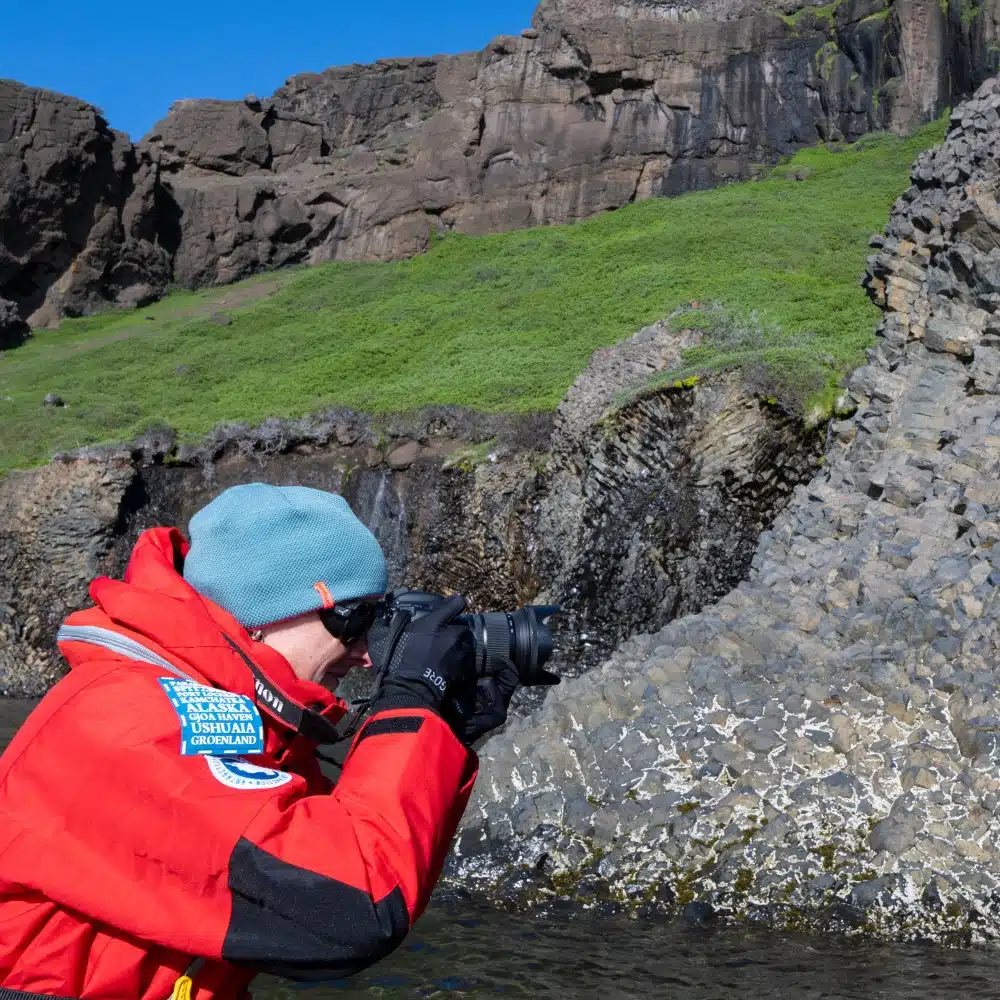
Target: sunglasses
[[349, 621]]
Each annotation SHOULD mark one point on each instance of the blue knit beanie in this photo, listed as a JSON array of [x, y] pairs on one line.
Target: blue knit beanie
[[269, 553]]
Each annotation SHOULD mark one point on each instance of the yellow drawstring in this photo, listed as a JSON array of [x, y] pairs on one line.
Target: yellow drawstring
[[182, 989]]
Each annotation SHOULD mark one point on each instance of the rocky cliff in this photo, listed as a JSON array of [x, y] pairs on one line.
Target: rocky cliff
[[820, 747], [77, 220], [599, 104]]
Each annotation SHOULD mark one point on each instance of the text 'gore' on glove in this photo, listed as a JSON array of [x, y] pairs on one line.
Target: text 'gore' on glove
[[427, 660]]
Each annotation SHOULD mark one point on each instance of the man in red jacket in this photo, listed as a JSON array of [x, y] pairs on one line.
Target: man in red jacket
[[164, 825]]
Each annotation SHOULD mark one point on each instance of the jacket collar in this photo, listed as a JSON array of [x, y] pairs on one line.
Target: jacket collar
[[156, 606]]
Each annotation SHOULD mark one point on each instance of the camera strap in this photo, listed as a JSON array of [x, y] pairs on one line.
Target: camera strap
[[287, 711]]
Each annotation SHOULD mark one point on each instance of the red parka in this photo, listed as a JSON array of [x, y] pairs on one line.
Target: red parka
[[123, 856]]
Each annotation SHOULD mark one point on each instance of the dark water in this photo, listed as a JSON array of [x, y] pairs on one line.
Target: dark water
[[462, 948], [467, 950]]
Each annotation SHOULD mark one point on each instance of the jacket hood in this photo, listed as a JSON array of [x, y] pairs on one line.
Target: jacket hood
[[155, 606]]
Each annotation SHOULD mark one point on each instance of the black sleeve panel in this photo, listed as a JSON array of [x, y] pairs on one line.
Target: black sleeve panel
[[295, 923], [392, 725]]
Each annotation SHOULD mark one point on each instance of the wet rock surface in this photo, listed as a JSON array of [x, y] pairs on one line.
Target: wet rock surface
[[598, 105], [653, 499], [819, 748], [57, 531]]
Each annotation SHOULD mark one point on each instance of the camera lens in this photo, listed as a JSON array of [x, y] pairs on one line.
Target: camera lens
[[520, 636]]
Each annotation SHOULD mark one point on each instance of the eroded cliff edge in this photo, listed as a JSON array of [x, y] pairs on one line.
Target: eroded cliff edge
[[598, 105], [820, 747]]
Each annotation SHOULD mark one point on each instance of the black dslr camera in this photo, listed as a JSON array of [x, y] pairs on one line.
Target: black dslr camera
[[521, 637]]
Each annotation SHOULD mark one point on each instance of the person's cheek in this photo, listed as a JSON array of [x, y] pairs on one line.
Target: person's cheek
[[357, 655]]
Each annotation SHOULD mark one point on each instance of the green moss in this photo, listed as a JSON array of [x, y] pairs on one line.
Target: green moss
[[827, 853], [744, 880], [386, 337], [826, 14], [826, 59], [969, 11], [468, 458], [686, 887], [687, 807]]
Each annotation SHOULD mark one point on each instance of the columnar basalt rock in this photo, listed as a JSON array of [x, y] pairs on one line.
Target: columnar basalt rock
[[820, 747], [600, 104]]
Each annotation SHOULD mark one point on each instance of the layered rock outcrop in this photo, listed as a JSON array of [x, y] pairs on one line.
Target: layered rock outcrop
[[600, 104], [820, 747], [626, 513], [650, 508]]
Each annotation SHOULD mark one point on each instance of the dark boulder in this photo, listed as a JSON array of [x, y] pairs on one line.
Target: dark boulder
[[13, 329]]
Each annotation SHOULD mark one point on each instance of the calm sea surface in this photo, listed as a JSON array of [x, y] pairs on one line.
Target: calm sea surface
[[469, 949]]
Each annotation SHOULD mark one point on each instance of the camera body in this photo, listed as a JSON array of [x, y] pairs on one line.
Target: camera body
[[520, 637]]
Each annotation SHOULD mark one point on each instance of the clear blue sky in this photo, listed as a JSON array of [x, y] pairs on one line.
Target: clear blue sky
[[135, 59]]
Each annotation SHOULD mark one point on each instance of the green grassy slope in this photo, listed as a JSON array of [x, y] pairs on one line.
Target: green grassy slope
[[500, 322]]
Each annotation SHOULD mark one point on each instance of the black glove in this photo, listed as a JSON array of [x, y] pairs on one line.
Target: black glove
[[490, 699], [424, 662]]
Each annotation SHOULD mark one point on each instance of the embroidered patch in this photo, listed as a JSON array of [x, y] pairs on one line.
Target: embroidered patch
[[214, 722], [240, 774]]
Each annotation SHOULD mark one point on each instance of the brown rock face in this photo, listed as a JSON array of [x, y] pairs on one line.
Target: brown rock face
[[65, 244], [602, 103]]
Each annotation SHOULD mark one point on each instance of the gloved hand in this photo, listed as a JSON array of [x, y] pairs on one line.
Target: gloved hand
[[424, 662], [489, 700]]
